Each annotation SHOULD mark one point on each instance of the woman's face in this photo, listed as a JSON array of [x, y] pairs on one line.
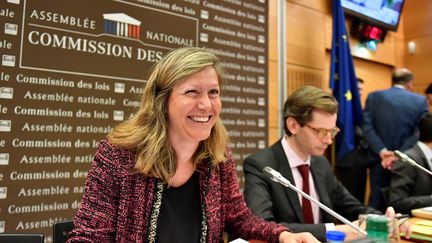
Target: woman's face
[[194, 106]]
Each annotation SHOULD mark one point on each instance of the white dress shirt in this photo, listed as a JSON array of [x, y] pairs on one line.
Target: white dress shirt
[[426, 151]]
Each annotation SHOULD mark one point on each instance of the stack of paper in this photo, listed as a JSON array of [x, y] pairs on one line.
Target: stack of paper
[[422, 230], [425, 212]]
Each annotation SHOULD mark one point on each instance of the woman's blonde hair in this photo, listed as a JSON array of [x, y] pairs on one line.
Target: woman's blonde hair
[[146, 131]]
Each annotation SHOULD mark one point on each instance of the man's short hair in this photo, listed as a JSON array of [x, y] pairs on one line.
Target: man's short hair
[[425, 128], [303, 101], [429, 89], [402, 76]]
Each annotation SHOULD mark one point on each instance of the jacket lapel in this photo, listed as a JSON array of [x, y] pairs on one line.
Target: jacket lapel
[[319, 176], [285, 171]]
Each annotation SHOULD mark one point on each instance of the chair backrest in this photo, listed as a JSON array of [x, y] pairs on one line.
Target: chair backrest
[[22, 238], [61, 230]]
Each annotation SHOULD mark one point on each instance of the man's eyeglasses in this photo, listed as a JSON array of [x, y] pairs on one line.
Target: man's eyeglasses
[[322, 132]]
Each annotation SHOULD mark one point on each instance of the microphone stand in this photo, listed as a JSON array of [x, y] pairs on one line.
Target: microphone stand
[[277, 177], [404, 158]]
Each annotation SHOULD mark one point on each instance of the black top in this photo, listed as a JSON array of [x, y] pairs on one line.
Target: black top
[[180, 214]]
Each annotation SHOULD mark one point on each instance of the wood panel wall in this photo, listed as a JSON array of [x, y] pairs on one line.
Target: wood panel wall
[[273, 100], [308, 42], [418, 29]]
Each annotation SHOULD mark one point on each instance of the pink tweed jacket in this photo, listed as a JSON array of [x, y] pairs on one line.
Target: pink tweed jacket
[[120, 205]]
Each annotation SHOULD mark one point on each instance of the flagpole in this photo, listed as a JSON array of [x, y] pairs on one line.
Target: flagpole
[[333, 155], [282, 79]]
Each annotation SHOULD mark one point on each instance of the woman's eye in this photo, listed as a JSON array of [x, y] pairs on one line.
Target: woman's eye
[[214, 92], [191, 91]]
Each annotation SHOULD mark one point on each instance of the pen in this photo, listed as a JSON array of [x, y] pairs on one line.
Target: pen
[[402, 216], [402, 219]]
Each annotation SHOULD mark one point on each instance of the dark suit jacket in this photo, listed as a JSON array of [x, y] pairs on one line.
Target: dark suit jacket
[[390, 119], [410, 187], [275, 202]]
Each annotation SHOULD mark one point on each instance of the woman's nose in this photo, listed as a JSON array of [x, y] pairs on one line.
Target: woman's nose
[[204, 102]]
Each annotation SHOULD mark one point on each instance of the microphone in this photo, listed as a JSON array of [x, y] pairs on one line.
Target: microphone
[[405, 158], [277, 177]]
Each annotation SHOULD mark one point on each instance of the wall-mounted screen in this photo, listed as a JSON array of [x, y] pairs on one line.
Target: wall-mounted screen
[[382, 13]]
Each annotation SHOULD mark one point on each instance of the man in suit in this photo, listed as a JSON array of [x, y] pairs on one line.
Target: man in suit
[[410, 187], [310, 125], [389, 123]]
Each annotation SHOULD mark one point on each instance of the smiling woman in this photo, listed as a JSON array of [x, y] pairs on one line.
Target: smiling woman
[[180, 74], [166, 174]]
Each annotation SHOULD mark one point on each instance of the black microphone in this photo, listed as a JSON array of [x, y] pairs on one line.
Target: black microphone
[[277, 177], [405, 158]]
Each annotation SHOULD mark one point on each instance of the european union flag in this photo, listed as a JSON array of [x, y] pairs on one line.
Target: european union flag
[[343, 82]]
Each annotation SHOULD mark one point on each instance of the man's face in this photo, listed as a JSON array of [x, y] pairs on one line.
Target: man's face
[[307, 140]]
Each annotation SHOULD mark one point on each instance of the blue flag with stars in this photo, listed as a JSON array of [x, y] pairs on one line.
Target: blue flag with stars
[[343, 82]]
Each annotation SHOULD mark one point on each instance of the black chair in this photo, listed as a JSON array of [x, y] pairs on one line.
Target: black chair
[[61, 230], [21, 238]]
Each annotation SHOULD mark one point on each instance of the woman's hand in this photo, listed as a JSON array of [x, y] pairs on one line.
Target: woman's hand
[[305, 237]]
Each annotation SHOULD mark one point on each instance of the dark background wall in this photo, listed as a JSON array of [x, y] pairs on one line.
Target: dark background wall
[[71, 70]]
